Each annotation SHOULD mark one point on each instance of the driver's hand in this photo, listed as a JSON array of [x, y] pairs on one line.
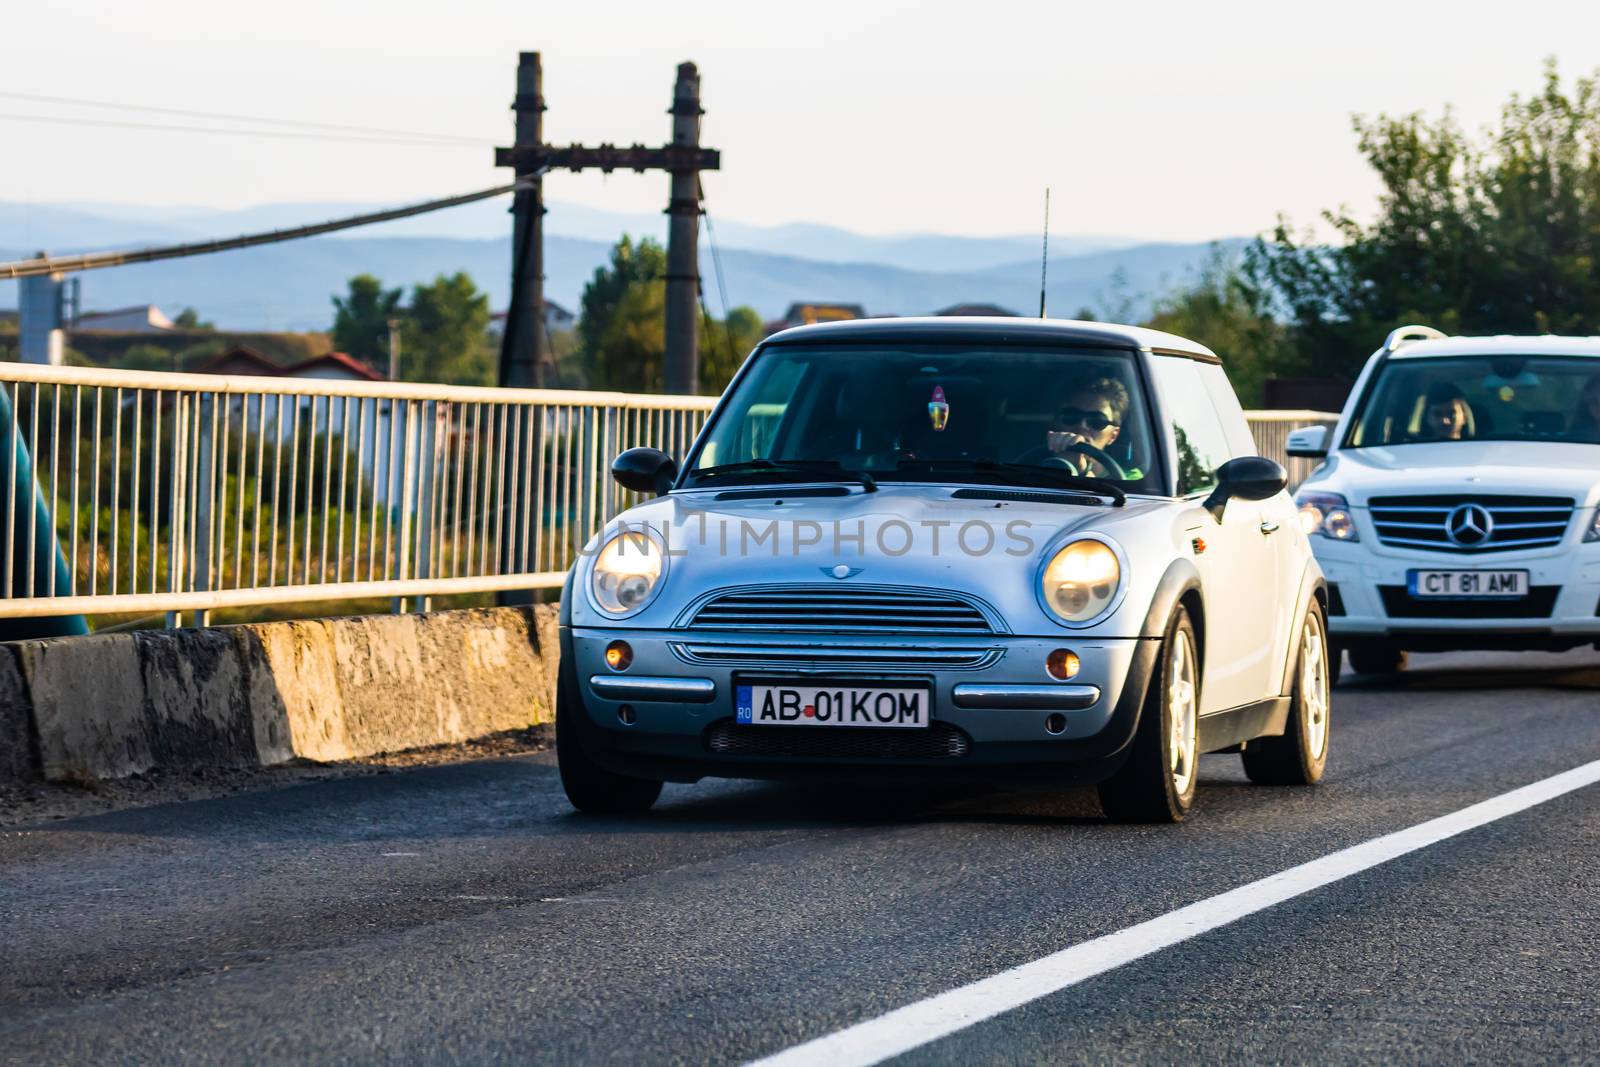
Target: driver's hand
[[1060, 441]]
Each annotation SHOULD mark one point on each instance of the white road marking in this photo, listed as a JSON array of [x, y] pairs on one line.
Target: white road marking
[[929, 1020]]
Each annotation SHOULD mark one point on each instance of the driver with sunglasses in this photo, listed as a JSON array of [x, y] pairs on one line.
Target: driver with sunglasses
[[1088, 421]]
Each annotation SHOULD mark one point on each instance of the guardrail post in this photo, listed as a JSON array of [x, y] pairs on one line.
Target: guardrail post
[[177, 485], [427, 491], [204, 489], [408, 449]]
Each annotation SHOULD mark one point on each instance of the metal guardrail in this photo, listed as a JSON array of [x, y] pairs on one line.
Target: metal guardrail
[[192, 492]]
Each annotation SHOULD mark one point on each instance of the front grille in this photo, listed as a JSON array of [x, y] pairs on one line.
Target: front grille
[[1398, 603], [938, 741], [1514, 522], [832, 609], [847, 657]]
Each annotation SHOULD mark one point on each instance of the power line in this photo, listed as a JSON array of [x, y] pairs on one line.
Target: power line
[[98, 260], [79, 102], [716, 263], [275, 134]]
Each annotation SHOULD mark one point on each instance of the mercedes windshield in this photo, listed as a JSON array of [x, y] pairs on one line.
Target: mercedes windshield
[[1480, 398]]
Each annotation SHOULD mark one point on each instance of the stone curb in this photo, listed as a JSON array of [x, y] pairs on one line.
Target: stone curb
[[114, 705]]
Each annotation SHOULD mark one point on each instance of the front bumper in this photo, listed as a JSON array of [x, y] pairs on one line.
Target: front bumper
[[670, 714], [1369, 598]]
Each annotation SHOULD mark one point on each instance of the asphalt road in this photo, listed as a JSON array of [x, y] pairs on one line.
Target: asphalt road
[[465, 914]]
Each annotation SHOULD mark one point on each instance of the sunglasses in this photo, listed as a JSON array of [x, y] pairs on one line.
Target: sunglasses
[[1094, 420]]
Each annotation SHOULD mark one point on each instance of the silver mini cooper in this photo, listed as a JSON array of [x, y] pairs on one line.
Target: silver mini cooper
[[1001, 551]]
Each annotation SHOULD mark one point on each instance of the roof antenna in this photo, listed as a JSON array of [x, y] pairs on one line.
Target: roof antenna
[[1044, 258]]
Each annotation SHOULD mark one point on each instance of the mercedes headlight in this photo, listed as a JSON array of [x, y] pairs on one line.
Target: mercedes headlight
[[627, 572], [1327, 515], [1593, 532], [1081, 581]]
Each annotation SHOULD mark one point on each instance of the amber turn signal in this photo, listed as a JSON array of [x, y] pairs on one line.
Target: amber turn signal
[[619, 655], [1062, 664]]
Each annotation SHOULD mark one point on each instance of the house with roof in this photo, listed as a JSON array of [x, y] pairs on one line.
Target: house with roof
[[141, 318], [240, 360], [335, 366], [556, 318], [809, 313]]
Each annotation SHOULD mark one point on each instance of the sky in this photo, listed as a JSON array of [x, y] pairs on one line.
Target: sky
[[1161, 121]]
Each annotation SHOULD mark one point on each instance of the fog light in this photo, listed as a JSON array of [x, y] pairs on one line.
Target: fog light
[[626, 716], [1062, 664], [1056, 723], [619, 655]]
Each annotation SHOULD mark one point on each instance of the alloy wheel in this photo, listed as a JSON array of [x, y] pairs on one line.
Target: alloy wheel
[[1183, 742], [1314, 684]]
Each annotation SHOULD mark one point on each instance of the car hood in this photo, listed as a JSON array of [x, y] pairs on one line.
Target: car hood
[[1510, 467], [990, 549]]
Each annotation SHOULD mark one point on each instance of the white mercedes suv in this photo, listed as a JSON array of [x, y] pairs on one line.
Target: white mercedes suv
[[1458, 503]]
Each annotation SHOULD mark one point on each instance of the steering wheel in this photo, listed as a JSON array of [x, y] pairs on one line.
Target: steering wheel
[[1112, 467]]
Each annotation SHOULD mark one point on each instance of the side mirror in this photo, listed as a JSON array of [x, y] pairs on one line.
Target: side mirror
[[1248, 478], [1308, 442], [645, 470]]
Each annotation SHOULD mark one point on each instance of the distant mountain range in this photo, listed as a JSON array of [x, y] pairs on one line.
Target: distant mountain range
[[289, 286]]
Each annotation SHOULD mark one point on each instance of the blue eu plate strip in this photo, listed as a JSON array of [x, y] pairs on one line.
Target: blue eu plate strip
[[744, 706]]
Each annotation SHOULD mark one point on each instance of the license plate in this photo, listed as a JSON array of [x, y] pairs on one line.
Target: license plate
[[831, 705], [1467, 585]]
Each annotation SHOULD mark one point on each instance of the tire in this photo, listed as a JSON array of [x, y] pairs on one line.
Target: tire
[[1300, 756], [1157, 783], [590, 787], [1375, 657]]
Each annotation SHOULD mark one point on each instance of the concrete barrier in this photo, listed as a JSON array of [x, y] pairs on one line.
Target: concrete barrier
[[113, 705], [19, 757]]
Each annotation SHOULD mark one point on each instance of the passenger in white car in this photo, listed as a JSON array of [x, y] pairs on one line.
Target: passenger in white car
[[1446, 415], [1585, 428]]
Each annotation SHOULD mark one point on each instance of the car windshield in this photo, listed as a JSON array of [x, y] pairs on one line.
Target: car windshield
[[1481, 398], [1043, 416]]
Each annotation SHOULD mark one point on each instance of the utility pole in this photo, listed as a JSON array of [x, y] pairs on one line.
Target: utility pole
[[683, 158], [682, 365], [394, 350], [522, 354]]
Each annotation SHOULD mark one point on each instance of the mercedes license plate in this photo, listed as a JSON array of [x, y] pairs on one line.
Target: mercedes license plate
[[1467, 585], [777, 704]]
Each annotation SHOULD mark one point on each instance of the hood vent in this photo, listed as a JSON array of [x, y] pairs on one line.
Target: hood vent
[[1029, 496]]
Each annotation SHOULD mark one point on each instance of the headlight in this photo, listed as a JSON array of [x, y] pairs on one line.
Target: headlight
[[1081, 581], [1593, 532], [1327, 514], [627, 572]]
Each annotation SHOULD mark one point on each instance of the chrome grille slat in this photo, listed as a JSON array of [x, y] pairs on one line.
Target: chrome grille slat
[[1517, 521], [864, 610], [829, 657]]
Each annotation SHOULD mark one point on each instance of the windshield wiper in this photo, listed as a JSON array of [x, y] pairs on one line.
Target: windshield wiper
[[1024, 474], [832, 470]]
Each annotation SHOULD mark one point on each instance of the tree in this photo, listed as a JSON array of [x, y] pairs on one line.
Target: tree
[[1499, 234], [621, 328], [622, 332], [724, 346], [361, 320], [189, 319], [1227, 309], [446, 333]]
